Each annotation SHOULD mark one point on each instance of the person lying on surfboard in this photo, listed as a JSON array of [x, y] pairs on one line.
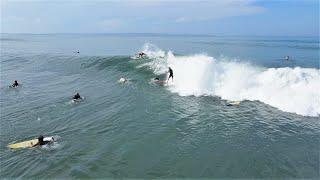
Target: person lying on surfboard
[[76, 96], [15, 84], [170, 74], [40, 142], [158, 81]]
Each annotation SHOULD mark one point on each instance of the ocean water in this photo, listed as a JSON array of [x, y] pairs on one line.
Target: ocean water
[[143, 130]]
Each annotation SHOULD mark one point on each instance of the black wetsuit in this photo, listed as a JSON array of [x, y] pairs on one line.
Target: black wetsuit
[[141, 54], [77, 96], [170, 73], [15, 84], [41, 143]]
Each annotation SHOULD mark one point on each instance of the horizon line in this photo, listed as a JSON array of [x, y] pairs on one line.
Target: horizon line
[[156, 34]]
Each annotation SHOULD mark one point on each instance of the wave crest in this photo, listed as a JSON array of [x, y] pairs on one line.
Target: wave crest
[[293, 90]]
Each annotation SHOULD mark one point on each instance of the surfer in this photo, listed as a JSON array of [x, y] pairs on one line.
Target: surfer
[[122, 80], [170, 74], [76, 96], [40, 142], [15, 84], [158, 81], [141, 54], [286, 58]]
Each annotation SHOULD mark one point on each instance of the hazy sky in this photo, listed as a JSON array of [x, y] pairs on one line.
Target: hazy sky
[[216, 17]]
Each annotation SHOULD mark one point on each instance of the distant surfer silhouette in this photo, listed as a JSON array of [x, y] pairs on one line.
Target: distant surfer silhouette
[[286, 58], [76, 96], [15, 84], [170, 74], [141, 54]]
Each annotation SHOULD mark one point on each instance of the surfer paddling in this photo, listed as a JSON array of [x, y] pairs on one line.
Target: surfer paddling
[[158, 81], [41, 142]]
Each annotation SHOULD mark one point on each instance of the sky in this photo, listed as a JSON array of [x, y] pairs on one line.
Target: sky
[[214, 17]]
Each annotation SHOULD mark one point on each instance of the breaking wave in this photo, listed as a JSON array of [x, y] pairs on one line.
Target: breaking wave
[[293, 90]]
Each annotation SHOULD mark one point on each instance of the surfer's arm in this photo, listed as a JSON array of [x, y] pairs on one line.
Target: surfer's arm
[[33, 145]]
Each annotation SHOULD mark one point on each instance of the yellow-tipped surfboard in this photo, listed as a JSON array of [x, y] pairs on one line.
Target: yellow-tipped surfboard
[[29, 143]]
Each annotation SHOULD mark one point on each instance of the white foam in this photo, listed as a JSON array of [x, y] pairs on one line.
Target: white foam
[[293, 90], [157, 56], [152, 51]]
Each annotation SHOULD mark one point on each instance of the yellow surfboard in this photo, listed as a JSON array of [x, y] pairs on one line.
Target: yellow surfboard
[[28, 144]]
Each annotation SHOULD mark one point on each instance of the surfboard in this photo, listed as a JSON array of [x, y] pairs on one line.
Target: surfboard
[[233, 103], [29, 143], [161, 83], [77, 100], [11, 86]]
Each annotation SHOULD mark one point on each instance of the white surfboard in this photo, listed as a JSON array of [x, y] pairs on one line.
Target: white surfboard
[[11, 86], [233, 103], [77, 100]]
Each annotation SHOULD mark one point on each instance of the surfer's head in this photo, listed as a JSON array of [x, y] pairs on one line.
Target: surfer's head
[[40, 138], [156, 79]]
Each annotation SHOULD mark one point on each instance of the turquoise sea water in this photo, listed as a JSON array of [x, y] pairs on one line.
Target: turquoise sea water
[[143, 130]]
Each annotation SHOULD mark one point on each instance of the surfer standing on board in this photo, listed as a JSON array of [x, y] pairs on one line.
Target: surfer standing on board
[[170, 74]]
